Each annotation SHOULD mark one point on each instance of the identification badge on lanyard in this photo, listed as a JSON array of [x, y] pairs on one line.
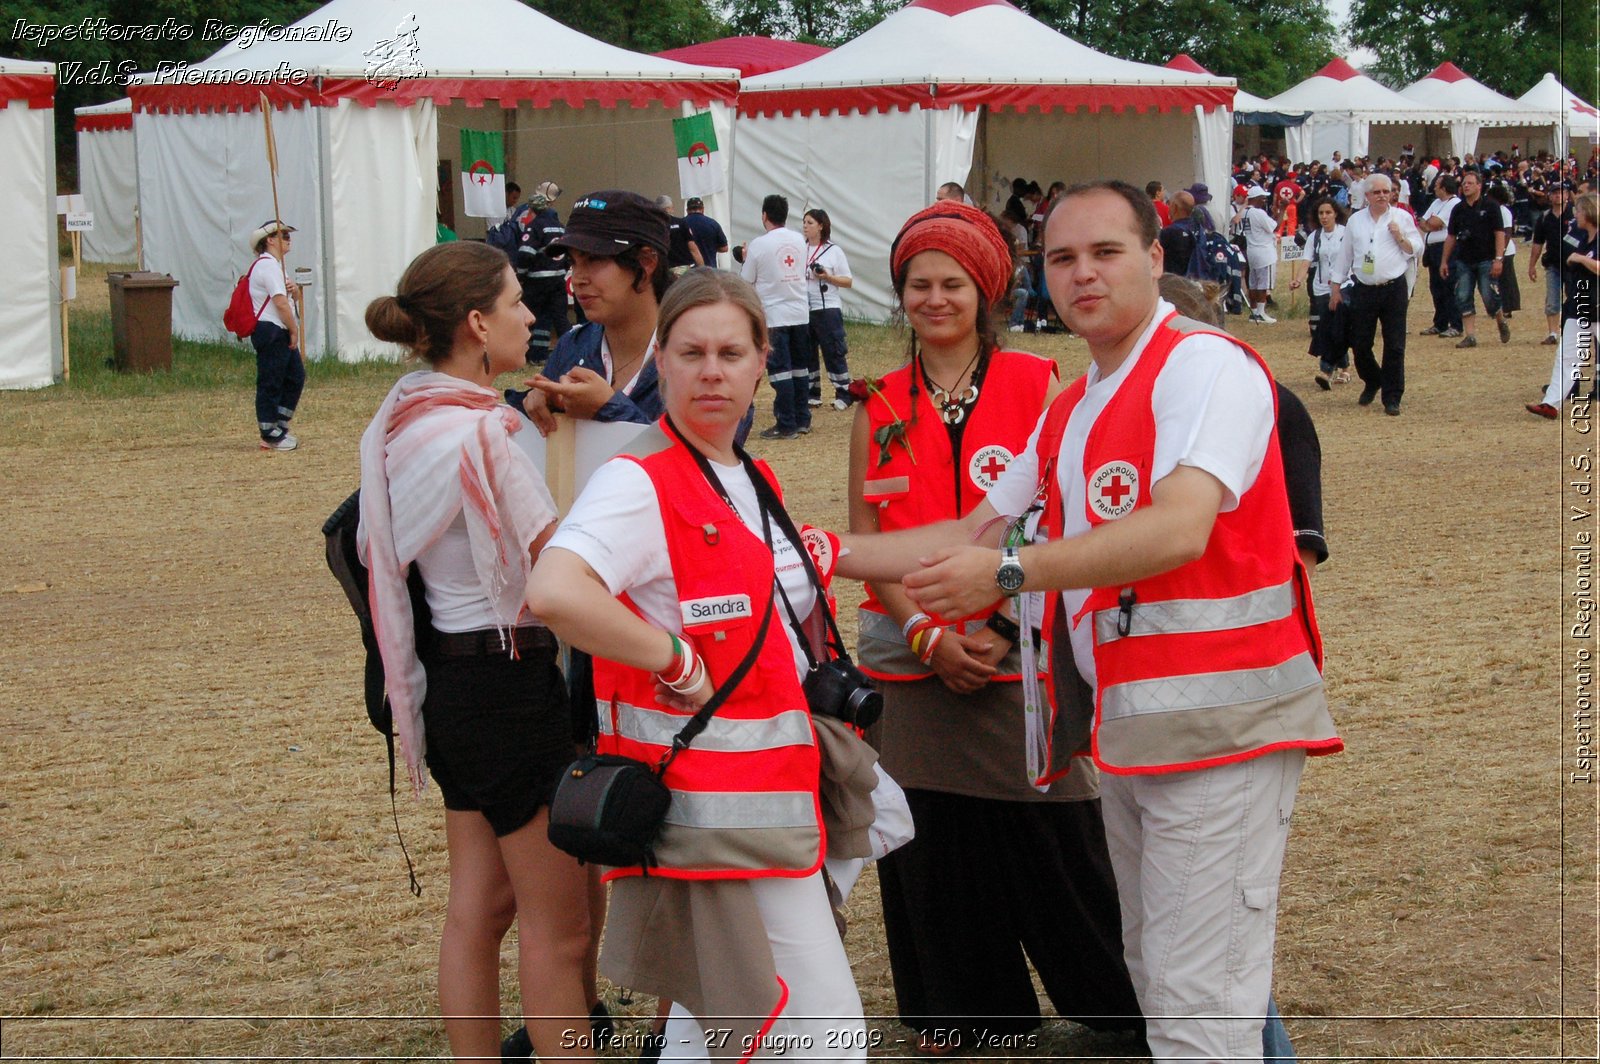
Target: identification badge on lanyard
[[1368, 265]]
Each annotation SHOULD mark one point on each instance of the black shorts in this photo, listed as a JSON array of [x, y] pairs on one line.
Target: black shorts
[[498, 734]]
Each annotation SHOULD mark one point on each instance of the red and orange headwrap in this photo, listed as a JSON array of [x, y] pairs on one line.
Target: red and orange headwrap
[[963, 232]]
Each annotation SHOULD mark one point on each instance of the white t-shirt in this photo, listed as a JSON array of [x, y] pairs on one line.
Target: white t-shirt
[[1322, 248], [615, 526], [1213, 411], [1260, 238], [1505, 223], [775, 262], [830, 257], [455, 593], [1440, 209], [266, 281]]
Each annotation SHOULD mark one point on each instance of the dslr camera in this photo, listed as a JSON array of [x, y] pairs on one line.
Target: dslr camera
[[839, 690]]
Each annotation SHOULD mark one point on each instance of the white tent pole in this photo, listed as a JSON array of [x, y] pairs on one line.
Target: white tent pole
[[328, 283]]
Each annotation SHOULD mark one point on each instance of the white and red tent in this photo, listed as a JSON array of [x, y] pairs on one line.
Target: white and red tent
[[748, 55], [1472, 110], [972, 91], [108, 179], [1579, 120], [1250, 114], [30, 321], [1345, 105], [368, 100]]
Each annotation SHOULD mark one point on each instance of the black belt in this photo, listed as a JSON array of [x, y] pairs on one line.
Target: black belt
[[1380, 284], [485, 642]]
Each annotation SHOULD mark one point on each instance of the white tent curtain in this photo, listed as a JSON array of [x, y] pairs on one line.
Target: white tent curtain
[[109, 182], [30, 321], [1297, 143], [1213, 138], [381, 184], [817, 161], [953, 133], [205, 186], [1463, 137]]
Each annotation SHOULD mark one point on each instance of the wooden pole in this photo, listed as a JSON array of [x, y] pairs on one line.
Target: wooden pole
[[561, 463], [77, 250]]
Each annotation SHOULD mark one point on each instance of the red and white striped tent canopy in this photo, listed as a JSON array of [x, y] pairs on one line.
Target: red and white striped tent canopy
[[973, 91], [1579, 119]]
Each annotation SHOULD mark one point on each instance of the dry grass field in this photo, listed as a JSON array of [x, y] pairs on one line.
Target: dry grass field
[[196, 849]]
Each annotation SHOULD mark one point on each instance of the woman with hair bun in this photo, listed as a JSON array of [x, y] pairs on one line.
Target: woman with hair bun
[[480, 702], [998, 872]]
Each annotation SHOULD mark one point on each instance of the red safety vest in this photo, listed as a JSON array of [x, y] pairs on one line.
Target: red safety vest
[[744, 795], [936, 487], [1215, 661]]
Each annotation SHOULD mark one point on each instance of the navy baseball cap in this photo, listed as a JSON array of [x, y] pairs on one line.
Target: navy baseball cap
[[611, 221]]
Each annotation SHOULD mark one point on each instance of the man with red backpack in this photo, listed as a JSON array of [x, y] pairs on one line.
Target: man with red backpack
[[280, 371]]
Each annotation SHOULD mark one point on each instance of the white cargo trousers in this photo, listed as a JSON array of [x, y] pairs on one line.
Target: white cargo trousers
[[1197, 856]]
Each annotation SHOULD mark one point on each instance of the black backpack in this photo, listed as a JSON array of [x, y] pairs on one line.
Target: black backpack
[[339, 531]]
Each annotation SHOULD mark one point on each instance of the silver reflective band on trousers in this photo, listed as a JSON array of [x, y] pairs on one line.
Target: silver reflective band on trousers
[[1208, 690], [722, 735], [1179, 616]]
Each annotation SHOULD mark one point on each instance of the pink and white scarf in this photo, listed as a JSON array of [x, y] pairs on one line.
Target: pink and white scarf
[[440, 445]]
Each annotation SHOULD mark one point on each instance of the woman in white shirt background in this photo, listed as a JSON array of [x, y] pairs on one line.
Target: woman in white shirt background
[[827, 276], [1329, 345]]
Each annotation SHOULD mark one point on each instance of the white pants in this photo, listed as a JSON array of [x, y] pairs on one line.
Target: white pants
[[822, 1019], [1576, 351], [1197, 856]]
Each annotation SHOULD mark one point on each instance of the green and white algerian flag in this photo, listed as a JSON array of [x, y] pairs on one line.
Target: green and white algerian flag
[[483, 174], [699, 161]]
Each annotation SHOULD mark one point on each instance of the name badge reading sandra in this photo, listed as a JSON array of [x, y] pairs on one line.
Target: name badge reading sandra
[[720, 608]]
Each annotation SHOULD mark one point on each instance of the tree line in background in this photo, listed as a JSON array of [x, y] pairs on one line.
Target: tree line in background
[[1268, 45]]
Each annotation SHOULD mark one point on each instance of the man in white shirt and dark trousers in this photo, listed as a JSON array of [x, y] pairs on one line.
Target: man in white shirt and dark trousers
[[775, 263], [1379, 244], [280, 373], [1446, 315]]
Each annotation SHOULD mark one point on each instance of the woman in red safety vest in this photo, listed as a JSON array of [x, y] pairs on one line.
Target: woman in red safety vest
[[999, 872], [671, 569]]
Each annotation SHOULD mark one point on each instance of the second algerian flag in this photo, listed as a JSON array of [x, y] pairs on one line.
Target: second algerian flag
[[483, 174], [699, 161]]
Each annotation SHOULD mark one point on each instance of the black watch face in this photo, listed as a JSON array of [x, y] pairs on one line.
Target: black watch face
[[1010, 576]]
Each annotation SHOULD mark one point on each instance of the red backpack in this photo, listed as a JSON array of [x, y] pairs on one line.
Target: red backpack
[[241, 316]]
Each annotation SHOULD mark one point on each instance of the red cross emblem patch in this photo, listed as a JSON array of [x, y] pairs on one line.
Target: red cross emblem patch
[[986, 465], [1114, 490]]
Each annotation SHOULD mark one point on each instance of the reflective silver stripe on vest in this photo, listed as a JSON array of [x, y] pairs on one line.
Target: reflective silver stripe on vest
[[1177, 616], [760, 809], [723, 735], [874, 625], [1208, 690]]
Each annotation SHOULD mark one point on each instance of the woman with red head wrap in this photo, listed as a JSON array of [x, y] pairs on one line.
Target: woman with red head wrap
[[998, 872]]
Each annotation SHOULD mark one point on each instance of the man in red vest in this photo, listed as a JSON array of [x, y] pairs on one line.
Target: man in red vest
[[1184, 654]]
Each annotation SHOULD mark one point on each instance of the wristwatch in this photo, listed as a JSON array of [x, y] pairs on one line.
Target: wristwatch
[[1009, 576]]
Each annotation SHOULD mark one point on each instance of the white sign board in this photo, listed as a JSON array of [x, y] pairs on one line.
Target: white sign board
[[80, 222], [73, 204], [594, 443]]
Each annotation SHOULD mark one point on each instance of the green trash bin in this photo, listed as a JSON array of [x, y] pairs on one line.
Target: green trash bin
[[141, 320]]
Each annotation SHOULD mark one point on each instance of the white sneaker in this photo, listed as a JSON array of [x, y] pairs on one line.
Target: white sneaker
[[1262, 319], [285, 442], [815, 400], [841, 404], [1017, 328]]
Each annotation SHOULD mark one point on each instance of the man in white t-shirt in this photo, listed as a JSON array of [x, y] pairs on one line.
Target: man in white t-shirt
[[1196, 835], [1260, 249], [775, 263], [280, 371], [1433, 224]]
